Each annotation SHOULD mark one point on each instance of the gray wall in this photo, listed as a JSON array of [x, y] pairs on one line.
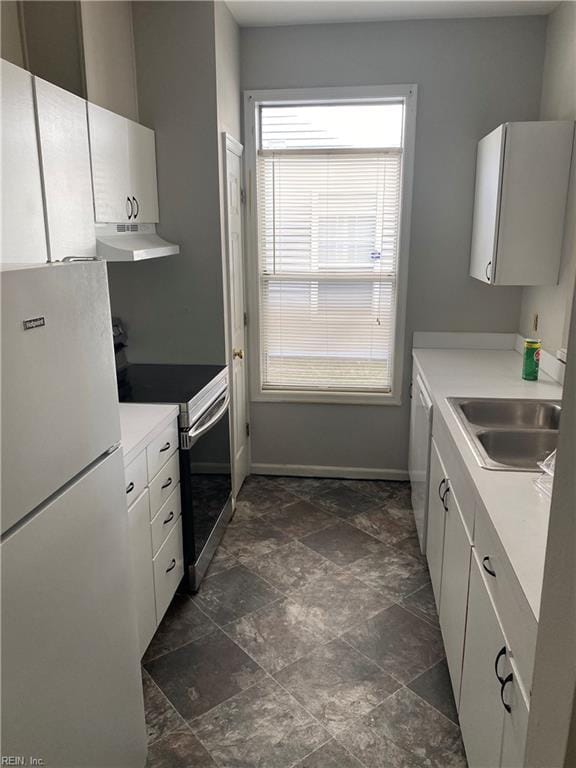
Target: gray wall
[[552, 303], [173, 307], [472, 75]]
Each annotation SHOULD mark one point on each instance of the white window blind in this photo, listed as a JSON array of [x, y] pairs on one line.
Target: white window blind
[[328, 232]]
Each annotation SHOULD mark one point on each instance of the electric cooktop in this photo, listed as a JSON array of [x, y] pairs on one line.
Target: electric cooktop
[[159, 383]]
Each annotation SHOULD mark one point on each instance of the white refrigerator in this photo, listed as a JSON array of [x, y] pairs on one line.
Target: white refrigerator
[[71, 691]]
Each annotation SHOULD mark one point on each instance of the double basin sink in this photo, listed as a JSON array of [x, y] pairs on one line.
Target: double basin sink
[[509, 434]]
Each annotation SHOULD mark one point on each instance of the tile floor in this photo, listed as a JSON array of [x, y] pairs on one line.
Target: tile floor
[[313, 642]]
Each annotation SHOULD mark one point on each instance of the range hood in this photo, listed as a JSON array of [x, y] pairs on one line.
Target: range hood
[[131, 242]]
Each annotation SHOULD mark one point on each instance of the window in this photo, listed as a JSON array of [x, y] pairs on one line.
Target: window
[[329, 177]]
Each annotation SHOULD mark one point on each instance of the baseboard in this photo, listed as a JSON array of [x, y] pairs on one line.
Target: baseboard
[[345, 473]]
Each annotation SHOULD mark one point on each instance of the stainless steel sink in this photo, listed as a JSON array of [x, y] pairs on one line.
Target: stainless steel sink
[[520, 449], [509, 434], [531, 414]]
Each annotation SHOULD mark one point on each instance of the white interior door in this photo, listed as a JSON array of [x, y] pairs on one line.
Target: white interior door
[[236, 310]]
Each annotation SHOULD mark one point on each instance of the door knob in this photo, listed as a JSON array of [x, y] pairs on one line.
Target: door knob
[[238, 353]]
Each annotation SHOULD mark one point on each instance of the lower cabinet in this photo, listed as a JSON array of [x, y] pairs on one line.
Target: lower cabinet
[[474, 613], [154, 514], [143, 573], [436, 521], [481, 710], [454, 592], [493, 710]]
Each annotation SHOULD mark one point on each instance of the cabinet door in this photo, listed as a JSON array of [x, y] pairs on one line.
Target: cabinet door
[[142, 569], [515, 722], [481, 710], [65, 157], [489, 161], [23, 232], [143, 184], [436, 521], [109, 146], [455, 577]]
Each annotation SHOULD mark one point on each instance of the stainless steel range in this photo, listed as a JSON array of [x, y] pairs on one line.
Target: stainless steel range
[[201, 392]]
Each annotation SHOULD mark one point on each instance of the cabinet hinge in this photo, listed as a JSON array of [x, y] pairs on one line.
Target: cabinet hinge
[[243, 196], [247, 429], [245, 319]]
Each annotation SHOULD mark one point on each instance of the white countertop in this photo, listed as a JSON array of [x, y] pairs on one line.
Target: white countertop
[[140, 423], [518, 511]]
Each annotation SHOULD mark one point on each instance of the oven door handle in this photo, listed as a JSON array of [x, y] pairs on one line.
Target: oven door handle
[[192, 433]]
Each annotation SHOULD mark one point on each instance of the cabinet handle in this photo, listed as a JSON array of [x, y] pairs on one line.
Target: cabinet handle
[[440, 489], [169, 518], [129, 208], [505, 682], [167, 483], [171, 566], [137, 206], [444, 496], [486, 565], [129, 487], [488, 272], [165, 448], [501, 652]]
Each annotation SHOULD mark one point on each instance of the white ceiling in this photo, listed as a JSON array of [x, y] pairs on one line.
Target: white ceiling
[[259, 13]]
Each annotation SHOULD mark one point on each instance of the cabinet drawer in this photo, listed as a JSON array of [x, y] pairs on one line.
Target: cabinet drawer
[[161, 449], [166, 519], [136, 478], [164, 483], [168, 569], [518, 621]]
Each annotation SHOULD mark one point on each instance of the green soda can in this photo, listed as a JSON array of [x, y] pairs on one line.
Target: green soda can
[[531, 360]]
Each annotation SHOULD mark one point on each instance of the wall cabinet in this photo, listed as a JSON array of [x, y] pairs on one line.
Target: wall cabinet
[[65, 160], [123, 169], [23, 230], [522, 174]]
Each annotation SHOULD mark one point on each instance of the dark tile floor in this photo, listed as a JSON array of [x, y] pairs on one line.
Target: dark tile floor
[[313, 642]]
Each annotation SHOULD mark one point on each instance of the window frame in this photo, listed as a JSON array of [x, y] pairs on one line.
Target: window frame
[[253, 100]]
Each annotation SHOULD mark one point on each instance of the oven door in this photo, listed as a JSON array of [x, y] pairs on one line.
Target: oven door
[[206, 478]]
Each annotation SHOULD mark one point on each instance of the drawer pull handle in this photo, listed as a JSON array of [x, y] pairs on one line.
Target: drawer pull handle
[[440, 489], [167, 483], [505, 682], [501, 652], [171, 566], [169, 518], [486, 564], [444, 496], [129, 487], [165, 448]]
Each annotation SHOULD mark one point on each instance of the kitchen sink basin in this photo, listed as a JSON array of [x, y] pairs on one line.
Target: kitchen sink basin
[[520, 448], [531, 414], [509, 434]]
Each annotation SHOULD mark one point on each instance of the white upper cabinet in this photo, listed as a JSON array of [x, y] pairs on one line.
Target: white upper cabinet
[[23, 230], [522, 174], [65, 160], [123, 169]]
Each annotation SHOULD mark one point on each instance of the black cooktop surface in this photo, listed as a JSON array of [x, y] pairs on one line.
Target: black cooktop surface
[[157, 383]]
